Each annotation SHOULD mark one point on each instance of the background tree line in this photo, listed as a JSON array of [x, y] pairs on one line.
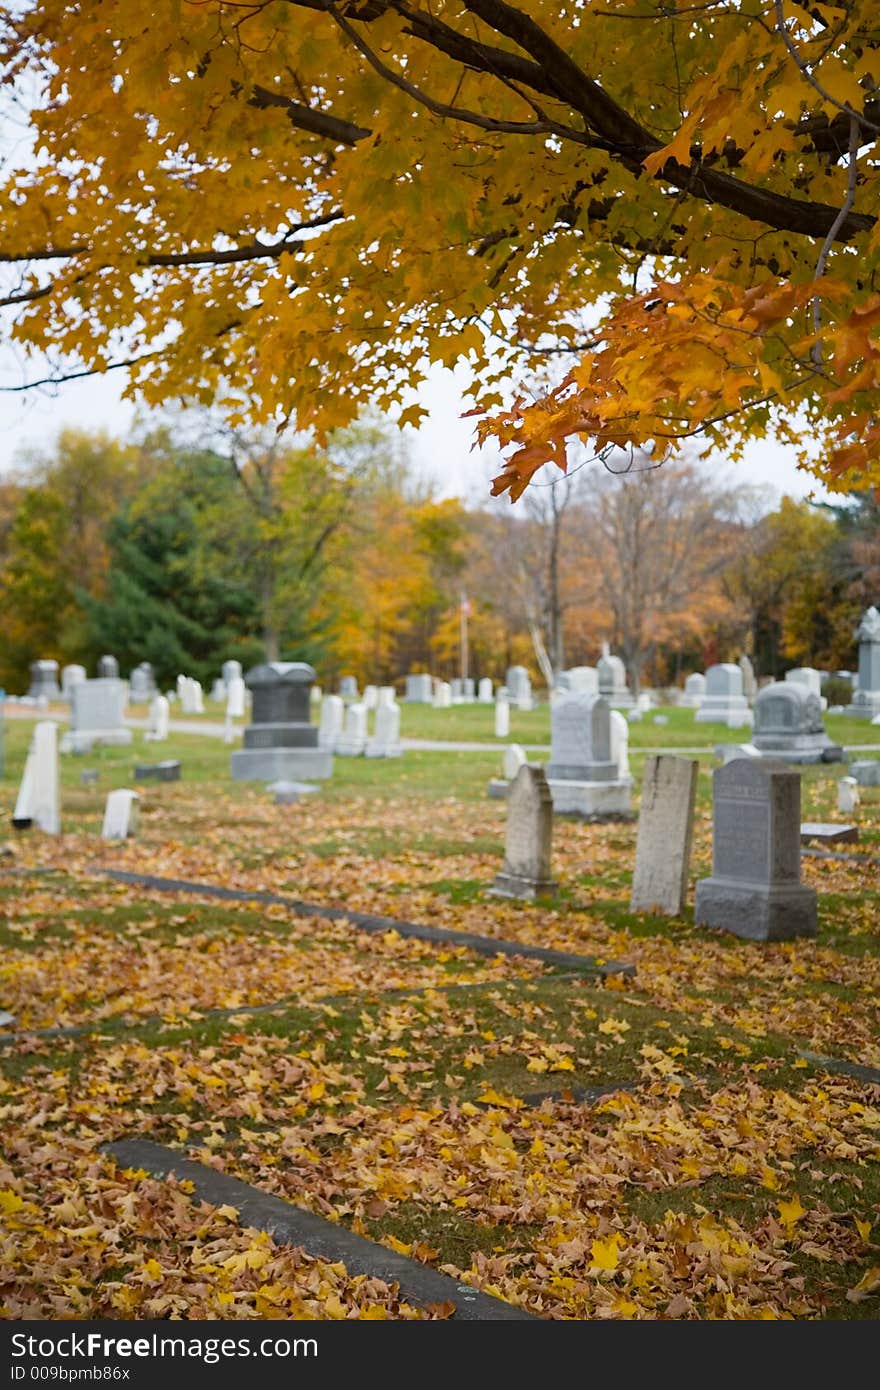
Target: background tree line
[[188, 544]]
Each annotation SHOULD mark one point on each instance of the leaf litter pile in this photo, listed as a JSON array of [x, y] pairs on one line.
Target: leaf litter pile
[[658, 1146]]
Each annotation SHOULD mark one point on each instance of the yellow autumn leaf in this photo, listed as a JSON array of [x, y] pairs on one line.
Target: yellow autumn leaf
[[492, 1097], [399, 1245], [604, 1253], [791, 1212], [864, 1229]]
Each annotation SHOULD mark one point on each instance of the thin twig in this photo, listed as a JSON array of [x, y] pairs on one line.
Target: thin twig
[[852, 179]]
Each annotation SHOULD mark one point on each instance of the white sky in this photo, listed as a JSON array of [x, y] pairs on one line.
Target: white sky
[[441, 448]]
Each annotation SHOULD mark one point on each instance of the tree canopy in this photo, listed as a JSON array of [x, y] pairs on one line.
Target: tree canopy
[[294, 207]]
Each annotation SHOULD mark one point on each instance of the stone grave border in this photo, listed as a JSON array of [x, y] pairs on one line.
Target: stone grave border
[[842, 1068], [323, 1239], [368, 922]]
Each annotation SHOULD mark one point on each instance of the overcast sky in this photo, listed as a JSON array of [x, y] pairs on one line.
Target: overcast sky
[[441, 448]]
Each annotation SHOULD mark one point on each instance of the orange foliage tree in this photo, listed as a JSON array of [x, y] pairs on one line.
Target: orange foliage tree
[[293, 207]]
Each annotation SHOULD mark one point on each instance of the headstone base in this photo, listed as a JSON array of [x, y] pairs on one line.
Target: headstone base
[[755, 912], [588, 799], [83, 740], [351, 748], [498, 788], [800, 748], [280, 764], [383, 750], [516, 886], [865, 705]]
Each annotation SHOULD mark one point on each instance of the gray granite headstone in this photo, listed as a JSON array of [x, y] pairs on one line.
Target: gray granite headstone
[[71, 676], [866, 699], [580, 734], [694, 690], [96, 708], [866, 772], [724, 701], [526, 872], [788, 725], [665, 834], [348, 687], [419, 688], [44, 681], [108, 668], [281, 742], [755, 890], [141, 684]]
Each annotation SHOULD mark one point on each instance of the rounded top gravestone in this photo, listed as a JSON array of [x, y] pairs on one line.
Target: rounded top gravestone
[[281, 692], [788, 725]]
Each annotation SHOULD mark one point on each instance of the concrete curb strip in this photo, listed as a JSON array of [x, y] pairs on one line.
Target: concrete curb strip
[[290, 1225]]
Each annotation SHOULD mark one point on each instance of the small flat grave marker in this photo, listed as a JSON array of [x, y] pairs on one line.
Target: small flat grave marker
[[826, 833], [166, 771]]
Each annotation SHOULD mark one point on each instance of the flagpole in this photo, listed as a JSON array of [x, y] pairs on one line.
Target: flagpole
[[464, 636]]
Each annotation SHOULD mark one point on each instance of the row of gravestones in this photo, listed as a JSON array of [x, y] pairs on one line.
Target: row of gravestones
[[755, 888], [343, 729]]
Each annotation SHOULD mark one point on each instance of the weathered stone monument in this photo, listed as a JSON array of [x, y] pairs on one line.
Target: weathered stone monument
[[519, 687], [866, 698], [96, 708], [788, 725], [385, 742], [724, 701], [750, 683], [120, 814], [866, 772], [665, 835], [348, 687], [484, 691], [611, 677], [44, 681], [581, 680], [443, 695], [39, 795], [755, 890], [512, 760], [848, 798], [230, 670], [419, 688], [502, 717], [158, 730], [619, 742], [527, 872], [280, 742], [141, 684], [108, 668], [582, 774], [330, 726], [371, 696], [353, 741], [71, 676], [694, 691]]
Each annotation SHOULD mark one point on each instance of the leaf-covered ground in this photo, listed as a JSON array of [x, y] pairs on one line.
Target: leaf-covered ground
[[654, 1146]]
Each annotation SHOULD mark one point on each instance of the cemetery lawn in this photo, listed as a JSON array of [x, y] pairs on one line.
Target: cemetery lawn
[[673, 1144]]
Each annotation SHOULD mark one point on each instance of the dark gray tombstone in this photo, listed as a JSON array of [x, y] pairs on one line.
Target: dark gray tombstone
[[526, 871], [788, 725], [866, 698], [281, 743], [141, 684], [755, 890], [44, 680], [166, 771]]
